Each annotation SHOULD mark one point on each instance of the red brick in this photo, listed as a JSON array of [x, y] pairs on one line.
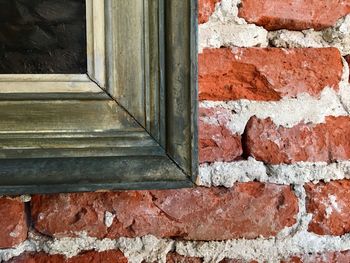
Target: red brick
[[248, 210], [176, 258], [13, 225], [205, 9], [216, 141], [329, 204], [110, 256], [294, 15], [326, 142], [267, 73], [329, 257]]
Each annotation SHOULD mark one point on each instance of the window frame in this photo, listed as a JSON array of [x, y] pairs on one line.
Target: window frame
[[111, 129]]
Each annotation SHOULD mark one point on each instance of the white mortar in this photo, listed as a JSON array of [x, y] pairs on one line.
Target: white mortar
[[224, 28], [337, 36], [288, 111], [227, 174]]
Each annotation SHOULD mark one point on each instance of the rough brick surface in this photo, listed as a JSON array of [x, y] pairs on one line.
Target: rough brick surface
[[205, 9], [329, 204], [176, 258], [267, 73], [330, 257], [13, 225], [247, 210], [216, 142], [294, 15], [327, 142], [110, 256]]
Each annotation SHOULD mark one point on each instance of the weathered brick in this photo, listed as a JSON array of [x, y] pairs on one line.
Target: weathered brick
[[248, 210], [176, 258], [216, 141], [329, 257], [111, 256], [13, 225], [293, 15], [267, 73], [205, 9], [327, 141], [329, 203]]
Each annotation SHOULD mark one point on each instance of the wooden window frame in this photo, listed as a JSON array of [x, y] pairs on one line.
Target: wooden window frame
[[129, 123]]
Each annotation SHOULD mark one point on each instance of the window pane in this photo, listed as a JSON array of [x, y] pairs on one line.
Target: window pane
[[42, 36]]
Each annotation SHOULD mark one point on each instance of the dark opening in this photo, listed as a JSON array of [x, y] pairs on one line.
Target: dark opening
[[42, 37]]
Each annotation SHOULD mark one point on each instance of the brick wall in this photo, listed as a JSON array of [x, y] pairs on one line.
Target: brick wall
[[274, 150]]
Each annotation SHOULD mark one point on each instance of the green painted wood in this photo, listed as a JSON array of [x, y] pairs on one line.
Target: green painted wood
[[126, 55], [154, 75], [63, 116], [89, 174], [89, 187], [181, 83], [54, 96], [78, 144]]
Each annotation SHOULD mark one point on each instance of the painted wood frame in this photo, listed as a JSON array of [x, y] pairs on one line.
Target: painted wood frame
[[129, 123]]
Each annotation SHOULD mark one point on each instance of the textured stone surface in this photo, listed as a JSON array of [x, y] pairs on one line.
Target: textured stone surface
[[294, 15], [87, 257], [13, 225], [267, 73], [248, 210], [304, 142], [330, 257], [329, 205], [205, 9], [216, 142]]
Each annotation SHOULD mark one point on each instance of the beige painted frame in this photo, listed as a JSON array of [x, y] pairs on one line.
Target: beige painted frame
[[89, 85]]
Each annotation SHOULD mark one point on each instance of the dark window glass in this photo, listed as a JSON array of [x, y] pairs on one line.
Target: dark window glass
[[42, 36]]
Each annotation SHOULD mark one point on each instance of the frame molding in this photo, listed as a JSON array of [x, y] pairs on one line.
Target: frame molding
[[138, 131]]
